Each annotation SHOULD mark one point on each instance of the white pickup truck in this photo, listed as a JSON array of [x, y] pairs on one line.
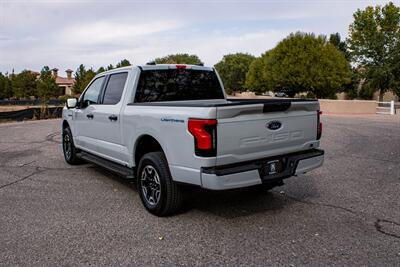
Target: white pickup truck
[[168, 125]]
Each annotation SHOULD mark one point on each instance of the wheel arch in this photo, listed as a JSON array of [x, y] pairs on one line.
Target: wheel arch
[[144, 144], [65, 124]]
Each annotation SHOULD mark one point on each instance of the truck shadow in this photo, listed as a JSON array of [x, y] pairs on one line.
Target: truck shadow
[[228, 204], [234, 203], [243, 202]]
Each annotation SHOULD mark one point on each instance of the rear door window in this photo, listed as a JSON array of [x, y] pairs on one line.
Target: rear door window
[[177, 85], [115, 87]]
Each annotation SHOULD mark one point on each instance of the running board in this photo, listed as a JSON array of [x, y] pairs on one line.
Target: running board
[[109, 165]]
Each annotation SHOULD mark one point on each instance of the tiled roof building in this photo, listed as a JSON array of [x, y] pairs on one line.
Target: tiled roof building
[[65, 83]]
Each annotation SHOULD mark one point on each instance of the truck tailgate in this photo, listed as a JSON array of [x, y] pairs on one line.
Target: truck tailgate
[[251, 131]]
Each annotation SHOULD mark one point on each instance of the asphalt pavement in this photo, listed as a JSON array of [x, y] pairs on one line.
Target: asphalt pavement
[[347, 213]]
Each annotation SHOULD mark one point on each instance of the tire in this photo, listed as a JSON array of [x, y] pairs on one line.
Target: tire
[[160, 195], [69, 149]]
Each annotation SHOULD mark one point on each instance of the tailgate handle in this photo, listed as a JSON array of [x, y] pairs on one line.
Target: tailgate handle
[[276, 106]]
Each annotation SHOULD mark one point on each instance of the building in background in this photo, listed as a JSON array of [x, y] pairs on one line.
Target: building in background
[[65, 83]]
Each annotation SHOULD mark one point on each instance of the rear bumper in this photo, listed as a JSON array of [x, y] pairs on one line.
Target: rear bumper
[[252, 172]]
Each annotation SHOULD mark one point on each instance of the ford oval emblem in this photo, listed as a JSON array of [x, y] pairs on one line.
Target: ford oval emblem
[[274, 125]]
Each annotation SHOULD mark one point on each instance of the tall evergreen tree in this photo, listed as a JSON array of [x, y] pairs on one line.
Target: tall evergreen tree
[[123, 63], [46, 85], [80, 79], [101, 69], [90, 73], [5, 86], [340, 44], [8, 86]]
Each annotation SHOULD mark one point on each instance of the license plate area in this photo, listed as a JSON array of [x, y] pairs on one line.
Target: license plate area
[[273, 168]]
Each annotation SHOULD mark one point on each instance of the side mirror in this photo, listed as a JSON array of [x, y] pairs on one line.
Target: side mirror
[[72, 102]]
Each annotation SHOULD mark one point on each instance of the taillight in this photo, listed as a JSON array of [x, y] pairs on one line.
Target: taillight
[[180, 66], [205, 136], [319, 125]]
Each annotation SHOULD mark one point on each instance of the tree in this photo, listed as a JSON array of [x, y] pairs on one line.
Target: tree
[[374, 43], [101, 69], [46, 85], [5, 86], [24, 84], [123, 63], [89, 76], [351, 88], [396, 89], [233, 69], [336, 40], [255, 78], [179, 59], [80, 79], [83, 78], [79, 75], [8, 86], [305, 63], [2, 86]]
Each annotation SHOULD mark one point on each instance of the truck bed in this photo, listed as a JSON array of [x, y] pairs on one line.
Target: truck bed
[[284, 103], [242, 130]]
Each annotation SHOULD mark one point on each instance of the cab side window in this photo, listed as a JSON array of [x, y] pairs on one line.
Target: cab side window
[[115, 87], [91, 95]]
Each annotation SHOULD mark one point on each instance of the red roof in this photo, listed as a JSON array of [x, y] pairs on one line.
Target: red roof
[[64, 81]]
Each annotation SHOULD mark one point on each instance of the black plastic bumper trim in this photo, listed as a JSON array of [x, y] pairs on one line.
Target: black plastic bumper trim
[[290, 161]]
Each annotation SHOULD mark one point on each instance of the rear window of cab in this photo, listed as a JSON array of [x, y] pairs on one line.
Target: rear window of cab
[[177, 85]]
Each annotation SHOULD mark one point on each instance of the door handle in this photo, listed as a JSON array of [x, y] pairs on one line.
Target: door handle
[[90, 116], [113, 118]]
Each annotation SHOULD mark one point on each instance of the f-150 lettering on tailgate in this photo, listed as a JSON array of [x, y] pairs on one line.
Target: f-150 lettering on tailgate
[[271, 138]]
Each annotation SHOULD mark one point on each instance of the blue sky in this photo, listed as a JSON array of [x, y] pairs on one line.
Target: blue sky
[[64, 34]]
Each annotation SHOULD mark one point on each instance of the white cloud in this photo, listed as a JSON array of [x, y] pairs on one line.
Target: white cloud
[[212, 49], [109, 32], [65, 34]]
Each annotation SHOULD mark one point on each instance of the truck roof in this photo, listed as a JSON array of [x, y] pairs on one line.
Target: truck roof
[[174, 66], [158, 67]]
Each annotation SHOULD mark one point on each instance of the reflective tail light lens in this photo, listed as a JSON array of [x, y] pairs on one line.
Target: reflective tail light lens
[[204, 132], [319, 125]]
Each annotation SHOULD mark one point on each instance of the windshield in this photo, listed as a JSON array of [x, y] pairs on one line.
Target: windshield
[[177, 85]]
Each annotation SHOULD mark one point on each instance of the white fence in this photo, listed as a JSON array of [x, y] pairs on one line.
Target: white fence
[[386, 108]]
